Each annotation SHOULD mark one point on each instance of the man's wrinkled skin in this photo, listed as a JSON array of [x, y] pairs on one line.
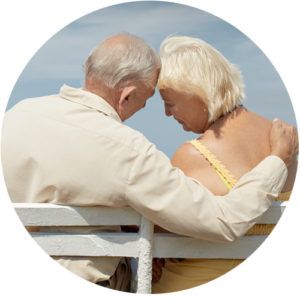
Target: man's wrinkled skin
[[284, 141]]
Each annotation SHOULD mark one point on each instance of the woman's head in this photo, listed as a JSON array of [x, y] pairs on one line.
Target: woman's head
[[191, 66], [187, 110]]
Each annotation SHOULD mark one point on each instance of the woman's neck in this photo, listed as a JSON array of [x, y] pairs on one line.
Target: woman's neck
[[222, 120]]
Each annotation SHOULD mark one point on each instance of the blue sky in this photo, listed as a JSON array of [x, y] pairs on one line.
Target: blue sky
[[59, 61]]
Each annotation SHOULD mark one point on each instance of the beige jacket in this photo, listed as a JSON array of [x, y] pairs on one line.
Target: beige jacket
[[72, 149]]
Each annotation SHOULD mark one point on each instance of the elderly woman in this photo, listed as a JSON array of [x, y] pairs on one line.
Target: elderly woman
[[203, 92]]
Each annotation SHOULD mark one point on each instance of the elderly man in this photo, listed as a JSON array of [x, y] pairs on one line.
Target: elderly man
[[72, 149]]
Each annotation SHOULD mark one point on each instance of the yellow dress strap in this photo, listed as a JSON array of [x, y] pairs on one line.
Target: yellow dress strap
[[221, 170]]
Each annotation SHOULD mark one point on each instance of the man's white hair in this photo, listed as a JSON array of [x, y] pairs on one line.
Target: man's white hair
[[123, 59], [191, 66]]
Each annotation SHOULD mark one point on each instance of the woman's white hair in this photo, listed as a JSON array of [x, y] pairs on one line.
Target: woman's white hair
[[123, 59], [191, 66]]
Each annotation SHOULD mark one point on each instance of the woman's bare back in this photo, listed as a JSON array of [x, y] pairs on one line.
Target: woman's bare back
[[240, 140]]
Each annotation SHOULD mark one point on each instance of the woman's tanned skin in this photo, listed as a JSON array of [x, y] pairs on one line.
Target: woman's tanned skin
[[240, 140]]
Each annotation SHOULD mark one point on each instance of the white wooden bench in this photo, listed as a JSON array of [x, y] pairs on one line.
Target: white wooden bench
[[143, 245]]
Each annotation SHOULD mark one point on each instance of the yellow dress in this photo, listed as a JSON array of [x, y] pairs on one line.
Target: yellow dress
[[188, 273]]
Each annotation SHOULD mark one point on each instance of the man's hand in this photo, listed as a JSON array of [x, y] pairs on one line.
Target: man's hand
[[157, 265], [284, 141]]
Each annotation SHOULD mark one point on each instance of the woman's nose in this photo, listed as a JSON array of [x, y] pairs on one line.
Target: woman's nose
[[167, 111]]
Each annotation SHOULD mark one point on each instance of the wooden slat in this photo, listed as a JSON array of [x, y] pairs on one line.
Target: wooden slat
[[126, 244], [168, 245], [100, 244], [274, 213], [45, 214]]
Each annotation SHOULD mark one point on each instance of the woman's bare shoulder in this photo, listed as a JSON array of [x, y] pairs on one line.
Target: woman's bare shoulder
[[189, 159]]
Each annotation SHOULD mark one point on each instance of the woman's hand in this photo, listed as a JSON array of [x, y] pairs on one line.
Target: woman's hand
[[157, 265]]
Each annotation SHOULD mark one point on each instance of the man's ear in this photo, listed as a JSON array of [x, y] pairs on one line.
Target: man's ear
[[126, 92]]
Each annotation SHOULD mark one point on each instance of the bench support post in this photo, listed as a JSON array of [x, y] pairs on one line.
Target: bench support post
[[144, 271]]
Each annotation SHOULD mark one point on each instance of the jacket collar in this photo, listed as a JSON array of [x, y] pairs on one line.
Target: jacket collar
[[90, 100]]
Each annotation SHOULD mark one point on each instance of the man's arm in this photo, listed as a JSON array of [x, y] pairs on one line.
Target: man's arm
[[182, 205]]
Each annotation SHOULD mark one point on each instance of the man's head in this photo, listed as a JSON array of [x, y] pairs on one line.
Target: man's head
[[123, 70]]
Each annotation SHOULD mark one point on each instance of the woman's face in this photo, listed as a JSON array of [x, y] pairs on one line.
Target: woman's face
[[188, 110]]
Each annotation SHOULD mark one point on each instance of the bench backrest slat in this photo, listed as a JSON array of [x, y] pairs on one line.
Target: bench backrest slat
[[126, 244], [45, 214]]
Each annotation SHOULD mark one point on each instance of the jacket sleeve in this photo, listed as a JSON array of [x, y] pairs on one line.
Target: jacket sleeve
[[184, 206]]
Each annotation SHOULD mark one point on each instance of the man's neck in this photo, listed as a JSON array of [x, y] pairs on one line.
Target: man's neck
[[93, 86]]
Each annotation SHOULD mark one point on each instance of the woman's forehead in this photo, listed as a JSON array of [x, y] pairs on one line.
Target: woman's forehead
[[172, 94]]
